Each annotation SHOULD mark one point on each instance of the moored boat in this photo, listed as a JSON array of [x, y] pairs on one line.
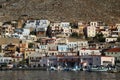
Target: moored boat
[[52, 68], [99, 69], [114, 70]]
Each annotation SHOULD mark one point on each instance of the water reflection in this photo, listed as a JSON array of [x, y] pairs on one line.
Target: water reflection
[[60, 75]]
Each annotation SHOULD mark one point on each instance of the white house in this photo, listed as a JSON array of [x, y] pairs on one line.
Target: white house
[[72, 45], [38, 61], [32, 38], [91, 31], [21, 33], [42, 24], [82, 44], [17, 57], [98, 60], [35, 59], [111, 39], [30, 24], [52, 49], [7, 30], [56, 29], [16, 35], [43, 49], [114, 33], [89, 51], [54, 25], [118, 29], [26, 32], [95, 24], [37, 24], [62, 48], [66, 28], [80, 23], [28, 52], [118, 26], [5, 60], [106, 33], [61, 41]]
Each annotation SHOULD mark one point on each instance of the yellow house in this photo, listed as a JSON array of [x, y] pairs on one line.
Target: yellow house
[[27, 52], [23, 46], [10, 47], [81, 27]]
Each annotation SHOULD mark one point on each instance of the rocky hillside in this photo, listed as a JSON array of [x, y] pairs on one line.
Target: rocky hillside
[[62, 10]]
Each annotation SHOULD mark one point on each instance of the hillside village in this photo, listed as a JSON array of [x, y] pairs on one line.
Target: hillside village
[[40, 43]]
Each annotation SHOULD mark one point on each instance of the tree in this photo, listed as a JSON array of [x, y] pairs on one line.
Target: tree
[[118, 39], [17, 49], [31, 45], [74, 34], [0, 48], [74, 25], [49, 32], [85, 32], [33, 33], [99, 37], [82, 36]]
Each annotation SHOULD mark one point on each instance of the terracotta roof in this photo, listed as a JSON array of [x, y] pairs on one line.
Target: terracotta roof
[[113, 50]]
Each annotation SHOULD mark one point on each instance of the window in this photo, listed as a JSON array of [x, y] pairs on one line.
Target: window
[[6, 60], [84, 59], [81, 44], [75, 44], [61, 49], [17, 54], [111, 52], [97, 59], [18, 59], [81, 53]]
